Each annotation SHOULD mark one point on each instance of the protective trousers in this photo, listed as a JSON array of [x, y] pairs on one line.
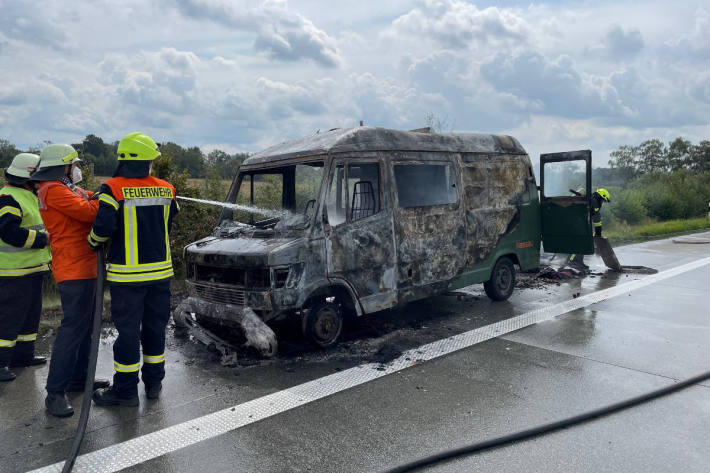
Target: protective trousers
[[70, 354], [140, 314], [20, 310]]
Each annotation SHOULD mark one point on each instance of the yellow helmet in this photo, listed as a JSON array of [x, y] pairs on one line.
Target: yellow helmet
[[137, 147], [604, 194]]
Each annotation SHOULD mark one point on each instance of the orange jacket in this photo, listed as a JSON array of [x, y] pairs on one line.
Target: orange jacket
[[68, 216]]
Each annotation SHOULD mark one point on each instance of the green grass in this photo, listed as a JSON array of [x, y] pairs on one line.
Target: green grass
[[631, 233]]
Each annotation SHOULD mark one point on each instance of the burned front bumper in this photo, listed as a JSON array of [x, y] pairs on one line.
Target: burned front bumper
[[258, 335], [217, 293]]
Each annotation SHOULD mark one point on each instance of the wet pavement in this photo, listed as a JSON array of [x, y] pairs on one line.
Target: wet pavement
[[584, 359]]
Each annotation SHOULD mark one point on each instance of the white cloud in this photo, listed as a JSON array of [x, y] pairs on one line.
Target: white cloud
[[280, 33], [456, 24], [249, 73]]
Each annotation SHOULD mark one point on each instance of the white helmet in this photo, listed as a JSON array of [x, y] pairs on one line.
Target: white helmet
[[22, 165]]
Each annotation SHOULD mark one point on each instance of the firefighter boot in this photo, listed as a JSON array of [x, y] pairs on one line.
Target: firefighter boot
[[108, 397], [153, 392], [34, 361], [58, 405], [78, 386], [6, 374]]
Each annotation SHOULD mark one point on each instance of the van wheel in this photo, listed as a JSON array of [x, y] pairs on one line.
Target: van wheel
[[502, 282], [323, 323]]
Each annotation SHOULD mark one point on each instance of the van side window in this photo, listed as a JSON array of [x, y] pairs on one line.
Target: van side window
[[423, 185], [337, 197], [364, 187]]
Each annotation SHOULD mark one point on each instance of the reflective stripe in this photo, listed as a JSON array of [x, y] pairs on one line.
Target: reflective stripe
[[24, 271], [35, 227], [154, 359], [140, 268], [130, 239], [126, 368], [9, 209], [113, 277], [11, 249], [597, 224], [166, 215], [7, 343], [108, 200], [146, 202], [27, 338], [30, 239], [95, 237], [177, 205]]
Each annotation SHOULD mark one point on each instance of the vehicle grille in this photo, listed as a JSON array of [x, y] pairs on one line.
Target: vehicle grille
[[219, 293]]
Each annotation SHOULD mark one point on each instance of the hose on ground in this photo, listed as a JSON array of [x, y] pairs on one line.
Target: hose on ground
[[547, 428], [91, 371]]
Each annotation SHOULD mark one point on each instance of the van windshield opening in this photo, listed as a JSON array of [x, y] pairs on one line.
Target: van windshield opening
[[270, 195]]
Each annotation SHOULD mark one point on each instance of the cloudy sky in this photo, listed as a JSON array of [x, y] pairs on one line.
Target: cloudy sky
[[241, 75]]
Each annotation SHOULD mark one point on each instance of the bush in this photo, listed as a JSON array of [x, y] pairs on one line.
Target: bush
[[628, 205]]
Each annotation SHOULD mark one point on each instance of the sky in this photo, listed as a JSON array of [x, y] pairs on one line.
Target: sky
[[243, 75]]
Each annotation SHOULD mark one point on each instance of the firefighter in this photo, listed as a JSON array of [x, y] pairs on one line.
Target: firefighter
[[600, 196], [68, 213], [136, 212], [24, 260]]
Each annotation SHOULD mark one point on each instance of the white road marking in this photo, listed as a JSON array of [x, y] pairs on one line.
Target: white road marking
[[149, 446]]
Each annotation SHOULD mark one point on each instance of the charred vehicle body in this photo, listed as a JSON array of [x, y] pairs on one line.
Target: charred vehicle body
[[355, 221]]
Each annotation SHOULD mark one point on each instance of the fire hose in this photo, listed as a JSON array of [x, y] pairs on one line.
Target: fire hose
[[91, 371], [522, 435]]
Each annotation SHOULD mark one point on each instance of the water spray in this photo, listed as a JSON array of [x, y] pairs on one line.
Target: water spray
[[246, 208]]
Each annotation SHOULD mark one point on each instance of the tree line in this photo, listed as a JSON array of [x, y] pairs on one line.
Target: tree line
[[102, 156]]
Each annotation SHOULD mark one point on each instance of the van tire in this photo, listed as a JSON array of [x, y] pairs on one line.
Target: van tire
[[502, 282], [323, 323]]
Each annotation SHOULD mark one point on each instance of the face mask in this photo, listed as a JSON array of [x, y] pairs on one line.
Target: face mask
[[76, 175]]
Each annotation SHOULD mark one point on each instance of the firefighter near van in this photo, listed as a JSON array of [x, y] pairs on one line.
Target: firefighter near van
[[68, 213], [24, 260], [599, 196], [135, 214]]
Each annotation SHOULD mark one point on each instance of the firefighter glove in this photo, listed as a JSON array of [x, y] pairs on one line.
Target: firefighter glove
[[95, 242]]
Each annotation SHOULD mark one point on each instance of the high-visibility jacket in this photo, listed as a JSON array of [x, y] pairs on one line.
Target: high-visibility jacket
[[68, 214], [23, 241], [136, 214]]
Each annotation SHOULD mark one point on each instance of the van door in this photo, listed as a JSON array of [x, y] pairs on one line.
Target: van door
[[358, 231], [566, 219], [429, 226]]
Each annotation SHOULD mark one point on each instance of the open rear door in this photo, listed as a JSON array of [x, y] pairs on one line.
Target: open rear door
[[566, 219]]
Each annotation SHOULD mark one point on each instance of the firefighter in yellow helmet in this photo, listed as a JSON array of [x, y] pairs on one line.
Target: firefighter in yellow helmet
[[136, 212], [24, 260], [599, 196]]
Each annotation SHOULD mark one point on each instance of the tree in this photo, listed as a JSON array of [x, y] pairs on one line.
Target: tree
[[679, 154], [94, 145], [7, 152], [699, 159], [653, 156], [226, 165], [624, 160]]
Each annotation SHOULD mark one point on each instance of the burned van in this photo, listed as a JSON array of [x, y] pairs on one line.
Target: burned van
[[355, 221]]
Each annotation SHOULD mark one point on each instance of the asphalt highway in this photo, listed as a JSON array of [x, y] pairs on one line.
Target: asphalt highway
[[393, 391]]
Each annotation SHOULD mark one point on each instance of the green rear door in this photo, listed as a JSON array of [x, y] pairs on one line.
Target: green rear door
[[566, 220]]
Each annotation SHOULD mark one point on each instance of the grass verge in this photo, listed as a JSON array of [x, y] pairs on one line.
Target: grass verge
[[630, 234]]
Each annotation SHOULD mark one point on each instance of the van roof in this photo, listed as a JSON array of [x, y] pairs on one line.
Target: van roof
[[365, 138]]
